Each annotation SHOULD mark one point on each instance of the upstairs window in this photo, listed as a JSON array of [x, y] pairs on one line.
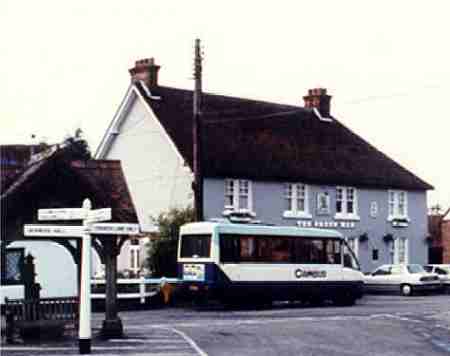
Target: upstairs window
[[238, 195], [243, 194], [296, 201], [398, 204], [229, 192], [346, 203]]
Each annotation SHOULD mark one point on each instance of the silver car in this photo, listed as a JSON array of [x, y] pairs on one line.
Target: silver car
[[443, 272], [404, 278]]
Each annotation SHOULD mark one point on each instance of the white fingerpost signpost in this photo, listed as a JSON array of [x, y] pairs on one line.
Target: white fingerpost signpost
[[89, 217], [84, 331]]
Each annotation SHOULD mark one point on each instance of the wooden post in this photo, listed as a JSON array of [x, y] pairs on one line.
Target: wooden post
[[3, 259], [79, 246], [112, 325], [9, 331], [197, 134]]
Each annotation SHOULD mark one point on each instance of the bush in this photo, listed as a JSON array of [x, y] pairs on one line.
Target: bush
[[163, 251]]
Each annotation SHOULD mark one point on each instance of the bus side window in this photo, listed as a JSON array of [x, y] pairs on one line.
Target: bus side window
[[348, 261], [229, 248], [248, 248], [333, 251], [280, 250], [263, 249]]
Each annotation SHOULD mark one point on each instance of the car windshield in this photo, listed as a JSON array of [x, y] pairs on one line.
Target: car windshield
[[415, 269]]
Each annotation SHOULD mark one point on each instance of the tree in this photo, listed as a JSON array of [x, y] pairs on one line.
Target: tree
[[163, 252], [77, 147]]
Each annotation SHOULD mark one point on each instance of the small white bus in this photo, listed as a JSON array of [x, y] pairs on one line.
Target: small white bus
[[252, 263]]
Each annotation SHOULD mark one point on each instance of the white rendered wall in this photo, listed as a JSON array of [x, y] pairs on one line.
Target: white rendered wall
[[55, 269], [124, 259], [154, 171]]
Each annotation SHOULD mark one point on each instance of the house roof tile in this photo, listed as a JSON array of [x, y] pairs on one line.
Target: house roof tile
[[267, 141]]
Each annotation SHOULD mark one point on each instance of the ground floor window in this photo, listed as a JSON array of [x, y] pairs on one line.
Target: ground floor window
[[12, 261], [391, 253], [401, 250], [374, 254], [135, 258]]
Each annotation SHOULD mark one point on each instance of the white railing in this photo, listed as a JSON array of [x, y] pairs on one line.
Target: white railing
[[132, 288]]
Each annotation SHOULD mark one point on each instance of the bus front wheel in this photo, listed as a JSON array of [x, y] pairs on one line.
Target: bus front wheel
[[345, 300]]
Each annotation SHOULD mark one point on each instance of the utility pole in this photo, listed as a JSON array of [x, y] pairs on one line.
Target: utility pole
[[197, 134]]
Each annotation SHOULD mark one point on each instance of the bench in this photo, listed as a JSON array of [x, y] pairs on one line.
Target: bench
[[39, 318]]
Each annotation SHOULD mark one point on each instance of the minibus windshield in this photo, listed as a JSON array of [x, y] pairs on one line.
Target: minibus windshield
[[195, 246]]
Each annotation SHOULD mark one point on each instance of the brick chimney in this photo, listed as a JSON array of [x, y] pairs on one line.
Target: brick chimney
[[145, 70], [318, 98]]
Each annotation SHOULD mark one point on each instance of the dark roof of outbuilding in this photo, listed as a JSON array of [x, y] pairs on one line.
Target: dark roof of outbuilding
[[100, 180], [13, 158], [267, 141]]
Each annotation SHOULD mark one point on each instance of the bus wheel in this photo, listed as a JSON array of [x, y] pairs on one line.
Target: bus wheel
[[345, 300], [200, 301], [231, 302], [262, 303], [316, 301]]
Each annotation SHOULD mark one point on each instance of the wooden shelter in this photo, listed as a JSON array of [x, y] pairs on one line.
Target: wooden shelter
[[50, 180]]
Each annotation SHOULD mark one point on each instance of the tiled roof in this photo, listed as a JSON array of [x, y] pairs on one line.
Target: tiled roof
[[267, 141], [13, 159], [53, 178]]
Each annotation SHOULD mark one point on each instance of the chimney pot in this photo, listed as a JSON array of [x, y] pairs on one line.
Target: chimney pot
[[145, 70], [319, 99]]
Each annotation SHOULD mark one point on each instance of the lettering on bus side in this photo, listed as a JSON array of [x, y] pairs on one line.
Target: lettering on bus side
[[300, 273]]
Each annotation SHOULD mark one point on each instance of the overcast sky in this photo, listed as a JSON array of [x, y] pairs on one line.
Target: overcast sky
[[64, 64]]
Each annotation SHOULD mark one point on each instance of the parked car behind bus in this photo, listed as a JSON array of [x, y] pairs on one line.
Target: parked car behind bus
[[403, 278], [443, 272]]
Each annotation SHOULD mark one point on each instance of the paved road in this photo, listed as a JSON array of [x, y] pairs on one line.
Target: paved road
[[377, 325]]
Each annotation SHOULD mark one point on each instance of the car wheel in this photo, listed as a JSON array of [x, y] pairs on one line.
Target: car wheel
[[406, 290]]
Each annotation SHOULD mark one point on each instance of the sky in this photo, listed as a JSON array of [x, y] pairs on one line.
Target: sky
[[64, 65]]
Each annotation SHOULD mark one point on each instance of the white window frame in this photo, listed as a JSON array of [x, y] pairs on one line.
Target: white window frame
[[323, 210], [291, 193], [135, 255], [397, 256], [344, 215], [234, 189], [394, 205]]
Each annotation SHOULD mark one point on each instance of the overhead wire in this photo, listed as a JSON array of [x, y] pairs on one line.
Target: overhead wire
[[394, 95]]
